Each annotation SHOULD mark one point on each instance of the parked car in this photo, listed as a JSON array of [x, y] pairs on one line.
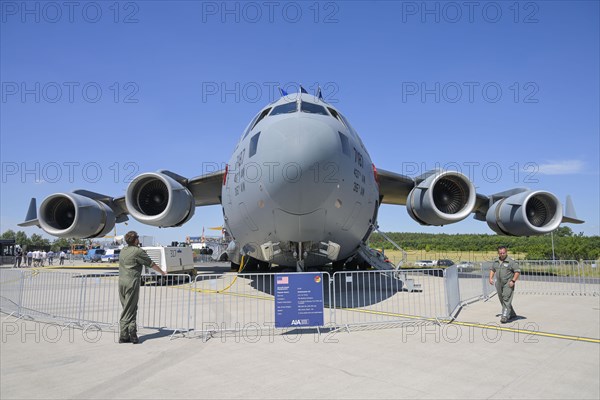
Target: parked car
[[445, 263], [465, 266], [111, 255], [425, 263], [93, 255]]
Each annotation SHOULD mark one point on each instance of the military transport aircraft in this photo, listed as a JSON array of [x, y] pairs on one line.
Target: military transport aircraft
[[300, 190]]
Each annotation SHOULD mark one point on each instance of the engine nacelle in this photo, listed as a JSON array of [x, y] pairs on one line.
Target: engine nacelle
[[70, 215], [443, 198], [156, 199], [525, 214]]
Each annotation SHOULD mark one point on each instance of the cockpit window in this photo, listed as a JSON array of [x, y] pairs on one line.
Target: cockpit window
[[261, 116], [336, 115], [350, 128], [253, 145], [345, 144], [255, 121], [312, 108], [284, 108]]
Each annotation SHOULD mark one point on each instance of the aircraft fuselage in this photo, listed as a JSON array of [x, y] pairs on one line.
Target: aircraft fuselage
[[299, 184]]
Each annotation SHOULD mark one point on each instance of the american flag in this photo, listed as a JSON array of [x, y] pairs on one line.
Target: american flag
[[283, 280]]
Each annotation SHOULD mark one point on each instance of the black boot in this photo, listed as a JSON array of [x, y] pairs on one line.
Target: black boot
[[134, 338]]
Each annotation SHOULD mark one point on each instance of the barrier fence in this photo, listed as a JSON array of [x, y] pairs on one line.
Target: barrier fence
[[232, 302], [369, 297]]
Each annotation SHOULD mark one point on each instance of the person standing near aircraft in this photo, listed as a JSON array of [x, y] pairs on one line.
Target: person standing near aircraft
[[18, 255], [132, 259], [62, 258], [508, 273], [36, 258]]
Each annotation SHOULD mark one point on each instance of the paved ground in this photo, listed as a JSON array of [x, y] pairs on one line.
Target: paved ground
[[552, 351]]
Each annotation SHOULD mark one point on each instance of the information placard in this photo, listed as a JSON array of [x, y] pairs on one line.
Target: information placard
[[298, 300]]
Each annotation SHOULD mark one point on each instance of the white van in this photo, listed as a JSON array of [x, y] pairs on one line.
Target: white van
[[111, 255]]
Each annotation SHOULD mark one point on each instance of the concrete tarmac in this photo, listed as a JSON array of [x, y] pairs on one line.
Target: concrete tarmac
[[552, 351]]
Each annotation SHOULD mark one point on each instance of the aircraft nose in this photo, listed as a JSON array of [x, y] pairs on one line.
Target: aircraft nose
[[304, 157]]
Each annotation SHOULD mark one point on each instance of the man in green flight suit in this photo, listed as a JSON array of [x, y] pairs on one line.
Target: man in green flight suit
[[508, 273], [132, 259]]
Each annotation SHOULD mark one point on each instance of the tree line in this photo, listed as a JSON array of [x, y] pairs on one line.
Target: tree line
[[36, 241], [567, 245]]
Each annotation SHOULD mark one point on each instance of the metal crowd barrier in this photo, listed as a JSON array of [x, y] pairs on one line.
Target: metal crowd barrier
[[557, 277], [11, 290], [544, 277], [473, 283], [240, 303], [376, 297], [93, 299], [166, 302], [245, 302]]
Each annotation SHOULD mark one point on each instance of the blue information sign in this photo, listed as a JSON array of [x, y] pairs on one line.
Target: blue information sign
[[298, 300]]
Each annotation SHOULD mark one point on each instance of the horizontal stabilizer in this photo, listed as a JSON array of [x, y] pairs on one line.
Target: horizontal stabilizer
[[31, 217], [569, 215]]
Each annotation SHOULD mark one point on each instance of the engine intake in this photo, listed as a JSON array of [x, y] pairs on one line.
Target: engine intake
[[156, 199], [70, 215], [525, 214], [443, 198]]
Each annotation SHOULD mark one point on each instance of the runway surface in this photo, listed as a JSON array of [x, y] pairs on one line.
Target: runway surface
[[551, 351]]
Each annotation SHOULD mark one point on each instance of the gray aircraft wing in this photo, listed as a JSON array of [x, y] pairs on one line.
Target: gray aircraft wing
[[207, 188], [161, 198], [444, 197], [394, 188]]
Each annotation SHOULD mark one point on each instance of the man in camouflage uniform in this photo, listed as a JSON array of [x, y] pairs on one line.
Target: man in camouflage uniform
[[508, 272], [132, 259]]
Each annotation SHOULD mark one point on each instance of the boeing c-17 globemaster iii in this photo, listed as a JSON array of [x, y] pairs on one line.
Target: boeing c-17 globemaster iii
[[300, 190]]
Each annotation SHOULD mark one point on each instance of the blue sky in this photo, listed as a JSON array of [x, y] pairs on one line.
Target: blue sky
[[95, 93]]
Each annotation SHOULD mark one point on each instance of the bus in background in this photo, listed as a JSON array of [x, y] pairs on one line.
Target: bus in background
[[78, 249]]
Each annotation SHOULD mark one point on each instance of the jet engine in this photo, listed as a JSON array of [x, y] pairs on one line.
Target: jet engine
[[442, 198], [525, 214], [70, 215], [157, 199]]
